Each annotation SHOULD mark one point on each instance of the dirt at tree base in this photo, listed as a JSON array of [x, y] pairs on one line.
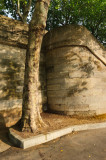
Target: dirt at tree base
[[56, 121]]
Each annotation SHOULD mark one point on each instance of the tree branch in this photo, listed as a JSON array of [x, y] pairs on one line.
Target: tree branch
[[18, 10], [29, 5], [13, 5]]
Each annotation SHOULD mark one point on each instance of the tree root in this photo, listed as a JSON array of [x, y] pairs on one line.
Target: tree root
[[27, 125]]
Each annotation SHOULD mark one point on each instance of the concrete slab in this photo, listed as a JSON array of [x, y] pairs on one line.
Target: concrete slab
[[43, 138]]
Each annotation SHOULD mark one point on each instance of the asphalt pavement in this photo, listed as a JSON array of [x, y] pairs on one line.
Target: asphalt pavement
[[85, 145]]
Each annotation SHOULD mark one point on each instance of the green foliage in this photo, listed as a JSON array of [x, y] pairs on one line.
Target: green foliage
[[90, 13], [10, 7], [2, 6]]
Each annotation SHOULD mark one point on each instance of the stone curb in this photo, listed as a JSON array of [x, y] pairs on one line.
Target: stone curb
[[43, 138]]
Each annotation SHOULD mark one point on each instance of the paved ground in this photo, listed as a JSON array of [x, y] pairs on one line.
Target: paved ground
[[4, 141], [86, 145]]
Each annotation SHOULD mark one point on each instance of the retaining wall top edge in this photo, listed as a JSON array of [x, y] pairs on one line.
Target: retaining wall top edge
[[74, 35]]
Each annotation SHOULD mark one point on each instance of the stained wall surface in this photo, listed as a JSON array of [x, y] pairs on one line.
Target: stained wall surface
[[75, 67], [76, 72], [13, 44]]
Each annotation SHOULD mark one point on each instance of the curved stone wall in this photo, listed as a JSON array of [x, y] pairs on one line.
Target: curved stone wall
[[75, 67], [76, 71]]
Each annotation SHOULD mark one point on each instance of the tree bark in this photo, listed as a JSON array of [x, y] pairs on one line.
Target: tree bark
[[31, 118]]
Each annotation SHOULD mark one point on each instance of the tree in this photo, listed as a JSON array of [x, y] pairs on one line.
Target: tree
[[30, 111], [18, 9], [31, 117], [61, 13], [90, 13]]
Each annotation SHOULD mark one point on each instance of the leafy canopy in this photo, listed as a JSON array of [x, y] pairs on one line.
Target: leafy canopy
[[90, 13]]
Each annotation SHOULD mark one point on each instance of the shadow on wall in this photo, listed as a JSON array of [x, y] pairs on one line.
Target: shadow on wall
[[86, 69], [11, 84], [2, 122], [42, 81], [12, 80]]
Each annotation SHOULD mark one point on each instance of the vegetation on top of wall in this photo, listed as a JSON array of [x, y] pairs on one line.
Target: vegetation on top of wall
[[90, 13]]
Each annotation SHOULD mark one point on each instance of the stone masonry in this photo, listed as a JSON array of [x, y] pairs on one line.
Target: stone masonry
[[76, 71], [13, 44], [75, 68]]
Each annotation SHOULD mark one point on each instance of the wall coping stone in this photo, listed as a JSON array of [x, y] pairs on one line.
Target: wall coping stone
[[74, 35]]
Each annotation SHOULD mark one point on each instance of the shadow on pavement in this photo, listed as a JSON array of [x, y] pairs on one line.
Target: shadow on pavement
[[4, 131]]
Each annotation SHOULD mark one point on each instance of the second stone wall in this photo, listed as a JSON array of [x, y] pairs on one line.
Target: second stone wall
[[76, 72]]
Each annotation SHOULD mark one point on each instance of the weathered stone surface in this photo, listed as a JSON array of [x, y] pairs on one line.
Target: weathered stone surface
[[13, 32], [13, 43], [10, 116], [76, 71], [75, 67], [74, 35]]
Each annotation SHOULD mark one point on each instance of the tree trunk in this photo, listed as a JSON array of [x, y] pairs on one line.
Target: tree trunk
[[31, 118]]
